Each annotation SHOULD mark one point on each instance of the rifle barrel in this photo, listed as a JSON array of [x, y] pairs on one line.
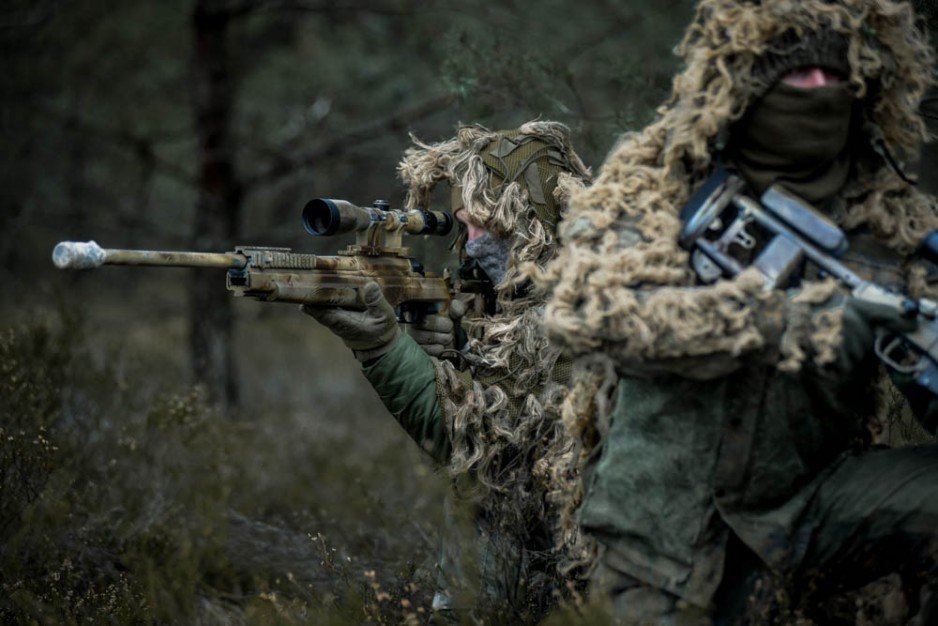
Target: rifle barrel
[[224, 260], [87, 255]]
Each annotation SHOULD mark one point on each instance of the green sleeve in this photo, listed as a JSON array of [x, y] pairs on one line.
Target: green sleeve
[[405, 379]]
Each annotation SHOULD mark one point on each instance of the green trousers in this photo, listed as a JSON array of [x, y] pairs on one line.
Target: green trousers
[[876, 513]]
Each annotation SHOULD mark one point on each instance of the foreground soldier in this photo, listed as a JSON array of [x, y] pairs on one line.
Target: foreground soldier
[[489, 412], [738, 437]]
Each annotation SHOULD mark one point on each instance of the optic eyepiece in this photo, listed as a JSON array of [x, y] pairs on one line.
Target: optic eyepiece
[[436, 223]]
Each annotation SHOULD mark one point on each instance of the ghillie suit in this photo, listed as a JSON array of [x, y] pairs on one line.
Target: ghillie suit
[[736, 408], [500, 399], [928, 176]]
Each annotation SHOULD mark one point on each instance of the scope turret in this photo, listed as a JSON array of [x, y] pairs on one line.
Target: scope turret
[[328, 216]]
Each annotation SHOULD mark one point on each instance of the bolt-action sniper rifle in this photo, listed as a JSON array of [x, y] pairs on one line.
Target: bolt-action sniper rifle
[[281, 275], [727, 232]]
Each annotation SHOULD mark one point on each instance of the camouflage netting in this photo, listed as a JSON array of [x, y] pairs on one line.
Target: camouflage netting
[[504, 420], [598, 301], [621, 283]]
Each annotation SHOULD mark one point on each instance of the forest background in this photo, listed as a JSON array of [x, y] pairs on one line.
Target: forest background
[[168, 453]]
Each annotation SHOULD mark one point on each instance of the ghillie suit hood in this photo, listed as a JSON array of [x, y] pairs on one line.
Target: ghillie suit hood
[[621, 235], [503, 413]]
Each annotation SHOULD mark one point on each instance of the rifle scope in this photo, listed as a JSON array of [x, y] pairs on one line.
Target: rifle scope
[[327, 216]]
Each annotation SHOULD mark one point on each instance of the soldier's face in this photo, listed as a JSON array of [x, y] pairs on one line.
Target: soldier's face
[[474, 231], [812, 78]]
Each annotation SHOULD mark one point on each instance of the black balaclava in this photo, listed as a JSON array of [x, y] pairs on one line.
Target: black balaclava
[[794, 136], [798, 138]]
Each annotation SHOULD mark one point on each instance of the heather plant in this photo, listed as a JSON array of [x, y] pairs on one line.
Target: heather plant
[[120, 506], [32, 365]]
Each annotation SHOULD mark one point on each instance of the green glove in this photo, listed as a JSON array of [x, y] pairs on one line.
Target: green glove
[[368, 333], [924, 405], [860, 323], [438, 333]]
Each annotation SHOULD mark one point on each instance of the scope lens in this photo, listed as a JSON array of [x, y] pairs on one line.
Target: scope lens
[[321, 217]]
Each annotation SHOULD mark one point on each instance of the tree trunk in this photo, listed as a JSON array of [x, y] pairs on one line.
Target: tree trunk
[[218, 208]]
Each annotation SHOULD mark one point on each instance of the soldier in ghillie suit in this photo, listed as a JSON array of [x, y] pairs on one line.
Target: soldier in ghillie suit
[[487, 403], [737, 436]]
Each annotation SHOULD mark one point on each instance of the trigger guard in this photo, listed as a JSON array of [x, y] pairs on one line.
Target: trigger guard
[[884, 345], [413, 312]]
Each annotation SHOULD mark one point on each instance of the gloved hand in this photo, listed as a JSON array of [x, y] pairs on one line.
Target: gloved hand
[[438, 333], [924, 405], [368, 333], [861, 322]]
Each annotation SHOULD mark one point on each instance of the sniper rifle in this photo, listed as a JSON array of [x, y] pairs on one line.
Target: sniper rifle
[[281, 275]]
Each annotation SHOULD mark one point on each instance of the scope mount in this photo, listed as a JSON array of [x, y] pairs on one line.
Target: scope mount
[[384, 235]]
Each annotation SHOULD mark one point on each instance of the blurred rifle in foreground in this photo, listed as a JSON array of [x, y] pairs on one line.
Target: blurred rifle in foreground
[[727, 232], [281, 275]]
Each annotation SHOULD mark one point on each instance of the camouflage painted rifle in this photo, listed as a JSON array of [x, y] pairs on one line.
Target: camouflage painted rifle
[[281, 275]]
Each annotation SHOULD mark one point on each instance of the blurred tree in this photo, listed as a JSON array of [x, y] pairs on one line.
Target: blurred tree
[[218, 207]]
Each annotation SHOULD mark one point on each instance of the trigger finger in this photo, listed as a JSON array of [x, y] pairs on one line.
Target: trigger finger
[[457, 309], [319, 313], [331, 316]]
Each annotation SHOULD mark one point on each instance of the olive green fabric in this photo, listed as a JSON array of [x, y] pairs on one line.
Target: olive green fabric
[[686, 462], [533, 164], [796, 137], [405, 380], [883, 502]]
